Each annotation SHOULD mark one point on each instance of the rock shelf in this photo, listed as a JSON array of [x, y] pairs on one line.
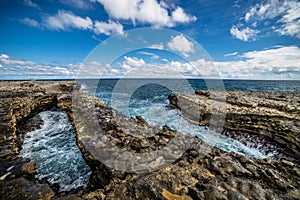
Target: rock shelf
[[193, 171], [267, 120]]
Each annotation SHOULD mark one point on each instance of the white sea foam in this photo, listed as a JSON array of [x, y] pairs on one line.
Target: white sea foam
[[157, 113], [53, 148]]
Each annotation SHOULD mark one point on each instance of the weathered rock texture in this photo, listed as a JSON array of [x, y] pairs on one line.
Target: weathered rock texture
[[270, 119], [201, 172], [19, 102]]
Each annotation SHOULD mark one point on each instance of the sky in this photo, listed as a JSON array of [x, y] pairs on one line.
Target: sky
[[227, 39]]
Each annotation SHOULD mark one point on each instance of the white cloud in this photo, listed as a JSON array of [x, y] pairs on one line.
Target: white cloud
[[108, 28], [181, 44], [31, 4], [140, 69], [4, 56], [275, 63], [93, 69], [82, 4], [180, 16], [16, 67], [146, 11], [245, 34], [231, 54], [65, 20], [270, 9], [285, 13], [283, 57], [157, 14], [159, 46], [30, 22], [134, 62], [291, 20], [282, 62]]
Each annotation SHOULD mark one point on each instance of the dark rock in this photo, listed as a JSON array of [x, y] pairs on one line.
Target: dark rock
[[21, 188]]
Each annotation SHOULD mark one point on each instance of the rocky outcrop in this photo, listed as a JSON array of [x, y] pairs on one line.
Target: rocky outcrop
[[271, 120], [129, 158], [19, 102]]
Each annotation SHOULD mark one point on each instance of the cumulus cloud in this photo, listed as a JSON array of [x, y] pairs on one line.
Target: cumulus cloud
[[181, 44], [157, 46], [4, 56], [92, 69], [21, 68], [283, 56], [180, 16], [65, 20], [275, 63], [285, 13], [146, 11], [245, 34], [157, 14], [141, 69], [291, 20], [108, 28], [134, 62], [30, 22]]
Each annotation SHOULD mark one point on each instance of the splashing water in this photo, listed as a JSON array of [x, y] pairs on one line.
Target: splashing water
[[54, 150], [150, 102], [156, 112]]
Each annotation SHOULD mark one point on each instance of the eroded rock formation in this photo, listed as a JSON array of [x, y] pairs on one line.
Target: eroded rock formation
[[195, 171], [270, 119]]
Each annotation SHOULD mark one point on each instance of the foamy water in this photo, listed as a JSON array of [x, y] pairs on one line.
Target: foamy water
[[156, 112], [54, 150], [151, 103]]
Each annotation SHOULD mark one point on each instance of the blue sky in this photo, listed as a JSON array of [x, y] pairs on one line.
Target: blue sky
[[219, 39]]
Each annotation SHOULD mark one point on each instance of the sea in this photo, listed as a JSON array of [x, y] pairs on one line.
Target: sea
[[53, 146]]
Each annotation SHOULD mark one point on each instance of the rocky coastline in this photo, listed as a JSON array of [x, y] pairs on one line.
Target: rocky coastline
[[194, 171], [267, 120]]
